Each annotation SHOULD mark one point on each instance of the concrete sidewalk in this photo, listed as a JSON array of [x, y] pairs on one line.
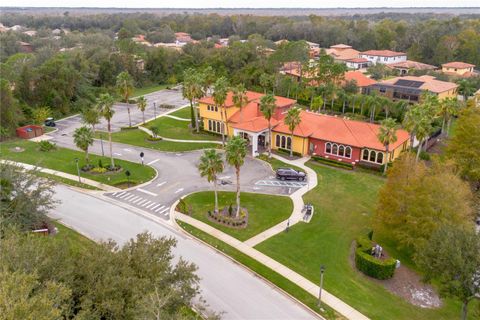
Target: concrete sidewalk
[[297, 198], [332, 301], [148, 131], [177, 118], [69, 176]]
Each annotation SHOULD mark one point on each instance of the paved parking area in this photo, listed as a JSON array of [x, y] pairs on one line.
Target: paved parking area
[[278, 183]]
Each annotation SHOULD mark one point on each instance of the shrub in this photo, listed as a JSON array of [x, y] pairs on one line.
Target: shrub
[[100, 163], [424, 156], [129, 128], [286, 151], [98, 170], [334, 163], [182, 206], [46, 146], [371, 266]]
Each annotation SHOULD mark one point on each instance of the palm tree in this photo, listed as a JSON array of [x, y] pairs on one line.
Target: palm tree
[[447, 109], [211, 164], [192, 89], [91, 116], [267, 107], [124, 85], [142, 105], [208, 78], [83, 138], [240, 98], [235, 152], [220, 92], [418, 122], [387, 135], [265, 81], [317, 103], [466, 88], [105, 106], [292, 120]]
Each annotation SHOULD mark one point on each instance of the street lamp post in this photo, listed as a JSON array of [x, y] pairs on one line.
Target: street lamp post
[[322, 270], [154, 110], [78, 170]]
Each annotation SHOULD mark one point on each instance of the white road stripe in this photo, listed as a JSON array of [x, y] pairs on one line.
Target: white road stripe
[[158, 205], [128, 197], [147, 192], [148, 202], [128, 150], [138, 200], [161, 183], [117, 154], [152, 162], [119, 194], [134, 198], [142, 202], [165, 211], [160, 208], [179, 190]]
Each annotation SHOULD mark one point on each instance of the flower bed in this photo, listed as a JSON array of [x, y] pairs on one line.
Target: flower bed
[[227, 217]]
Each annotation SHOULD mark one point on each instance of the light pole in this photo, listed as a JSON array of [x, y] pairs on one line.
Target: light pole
[[78, 170], [322, 270], [154, 110], [141, 156]]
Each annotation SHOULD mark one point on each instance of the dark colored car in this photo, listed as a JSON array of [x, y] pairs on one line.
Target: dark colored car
[[290, 174], [49, 122]]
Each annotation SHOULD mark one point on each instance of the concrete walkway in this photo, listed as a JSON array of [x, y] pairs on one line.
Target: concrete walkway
[[177, 118], [69, 176], [332, 301], [297, 198], [148, 131]]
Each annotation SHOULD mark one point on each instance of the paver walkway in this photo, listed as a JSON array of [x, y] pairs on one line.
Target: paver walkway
[[65, 175], [148, 131], [297, 198], [332, 301]]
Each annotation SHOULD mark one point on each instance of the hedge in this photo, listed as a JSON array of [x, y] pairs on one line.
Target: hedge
[[334, 163], [371, 266], [286, 151]]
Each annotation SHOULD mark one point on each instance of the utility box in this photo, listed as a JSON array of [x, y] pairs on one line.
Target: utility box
[[29, 132]]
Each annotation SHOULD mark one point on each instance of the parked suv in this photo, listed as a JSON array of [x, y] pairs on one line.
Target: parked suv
[[290, 174]]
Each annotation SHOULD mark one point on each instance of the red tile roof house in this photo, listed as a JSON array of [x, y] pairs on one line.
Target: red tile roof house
[[383, 56], [341, 139]]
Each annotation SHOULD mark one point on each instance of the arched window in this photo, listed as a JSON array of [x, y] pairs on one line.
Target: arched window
[[209, 125], [328, 148], [373, 155], [218, 126], [348, 152], [334, 149], [277, 140], [365, 154], [283, 142], [289, 143], [223, 127], [341, 151], [380, 157]]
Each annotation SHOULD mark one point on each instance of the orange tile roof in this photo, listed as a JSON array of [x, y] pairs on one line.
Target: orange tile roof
[[458, 65], [429, 83], [409, 64], [251, 95], [357, 60], [340, 46], [335, 129], [383, 53], [343, 54], [361, 79]]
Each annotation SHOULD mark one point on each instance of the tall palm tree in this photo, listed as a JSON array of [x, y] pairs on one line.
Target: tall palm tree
[[208, 78], [235, 153], [125, 88], [220, 92], [292, 120], [265, 80], [317, 103], [387, 135], [83, 138], [267, 107], [105, 105], [211, 164], [192, 89], [418, 122], [240, 98], [447, 109], [142, 105], [91, 116], [466, 88]]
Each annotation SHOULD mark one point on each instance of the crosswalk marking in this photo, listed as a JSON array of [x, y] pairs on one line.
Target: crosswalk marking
[[161, 183], [146, 203], [138, 200], [151, 205], [134, 198], [158, 205], [128, 197], [159, 208], [147, 192], [179, 190], [142, 202], [165, 211], [119, 194]]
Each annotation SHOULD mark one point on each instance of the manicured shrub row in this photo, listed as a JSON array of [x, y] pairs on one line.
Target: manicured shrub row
[[371, 266], [240, 222], [129, 128], [286, 151], [333, 163]]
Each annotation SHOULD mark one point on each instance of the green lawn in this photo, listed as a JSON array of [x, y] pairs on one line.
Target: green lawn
[[275, 163], [137, 137], [264, 211], [260, 269], [178, 129], [182, 113], [344, 202], [75, 240], [63, 160], [148, 89], [66, 181]]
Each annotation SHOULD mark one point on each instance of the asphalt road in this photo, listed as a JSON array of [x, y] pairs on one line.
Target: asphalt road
[[225, 286]]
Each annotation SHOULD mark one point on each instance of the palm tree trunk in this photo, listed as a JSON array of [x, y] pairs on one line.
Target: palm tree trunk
[[386, 160], [87, 159], [237, 169], [443, 125], [143, 116], [111, 146], [195, 112], [448, 126], [129, 119], [216, 196], [419, 150], [464, 309], [291, 145], [343, 107], [353, 104], [192, 114], [269, 139], [223, 129]]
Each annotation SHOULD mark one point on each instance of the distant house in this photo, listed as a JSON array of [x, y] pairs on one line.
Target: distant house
[[363, 82], [281, 42], [182, 38], [30, 33], [140, 39], [25, 47], [313, 45], [458, 68], [405, 66], [56, 32], [410, 88], [383, 56], [223, 42], [342, 53], [357, 63]]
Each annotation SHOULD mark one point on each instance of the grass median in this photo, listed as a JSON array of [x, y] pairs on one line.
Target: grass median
[[139, 138], [262, 270], [62, 159], [264, 211], [344, 203], [183, 113], [178, 129], [137, 92]]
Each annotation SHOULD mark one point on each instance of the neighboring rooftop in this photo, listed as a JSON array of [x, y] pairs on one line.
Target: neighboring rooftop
[[458, 65], [424, 83], [383, 53], [341, 46], [361, 79], [409, 64]]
